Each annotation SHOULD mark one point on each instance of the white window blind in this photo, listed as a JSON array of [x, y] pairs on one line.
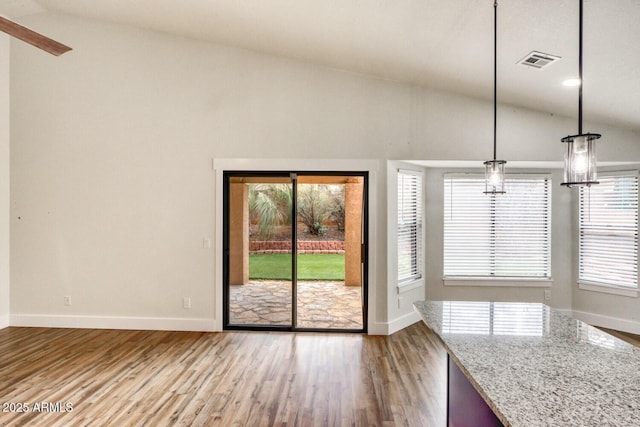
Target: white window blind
[[499, 236], [409, 226], [608, 244]]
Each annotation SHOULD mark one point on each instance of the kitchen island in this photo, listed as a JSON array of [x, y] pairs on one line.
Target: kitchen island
[[533, 366]]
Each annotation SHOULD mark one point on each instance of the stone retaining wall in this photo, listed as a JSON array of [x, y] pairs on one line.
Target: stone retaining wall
[[304, 247]]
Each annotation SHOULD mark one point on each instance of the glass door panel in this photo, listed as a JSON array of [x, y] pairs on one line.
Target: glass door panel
[[329, 264], [259, 289]]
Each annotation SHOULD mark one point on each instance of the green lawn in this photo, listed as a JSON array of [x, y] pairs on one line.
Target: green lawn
[[310, 266]]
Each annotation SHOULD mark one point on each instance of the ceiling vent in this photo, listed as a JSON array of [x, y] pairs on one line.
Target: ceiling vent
[[538, 60]]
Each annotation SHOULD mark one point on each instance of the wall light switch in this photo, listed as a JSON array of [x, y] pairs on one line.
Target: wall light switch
[[547, 294], [206, 243]]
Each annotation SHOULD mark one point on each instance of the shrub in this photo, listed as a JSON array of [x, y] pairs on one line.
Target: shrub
[[314, 207]]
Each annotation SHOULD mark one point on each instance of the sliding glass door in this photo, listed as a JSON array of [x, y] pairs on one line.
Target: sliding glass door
[[295, 251]]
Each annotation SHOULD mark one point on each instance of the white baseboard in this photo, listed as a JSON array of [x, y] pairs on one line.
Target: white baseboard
[[162, 324], [109, 322], [624, 325], [4, 321], [393, 326], [375, 328], [208, 325], [403, 321]]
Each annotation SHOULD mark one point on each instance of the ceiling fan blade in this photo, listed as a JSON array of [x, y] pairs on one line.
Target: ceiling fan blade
[[29, 36]]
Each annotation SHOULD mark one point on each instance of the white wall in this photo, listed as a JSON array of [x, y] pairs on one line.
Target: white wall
[[112, 185], [4, 181]]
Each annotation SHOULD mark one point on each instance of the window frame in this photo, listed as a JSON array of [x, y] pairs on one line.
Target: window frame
[[594, 285], [414, 280]]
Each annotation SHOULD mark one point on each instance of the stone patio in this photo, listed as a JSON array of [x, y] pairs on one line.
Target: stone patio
[[321, 304]]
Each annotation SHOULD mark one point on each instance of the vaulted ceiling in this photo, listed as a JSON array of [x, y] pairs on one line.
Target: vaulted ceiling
[[446, 45]]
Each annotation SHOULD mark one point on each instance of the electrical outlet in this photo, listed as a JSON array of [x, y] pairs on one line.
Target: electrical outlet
[[547, 294], [186, 302], [67, 300], [400, 302]]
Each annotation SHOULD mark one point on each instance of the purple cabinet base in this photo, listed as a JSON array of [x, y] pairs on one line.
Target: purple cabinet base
[[465, 407]]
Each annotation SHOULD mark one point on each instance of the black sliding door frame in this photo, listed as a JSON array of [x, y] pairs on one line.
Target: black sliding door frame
[[293, 176]]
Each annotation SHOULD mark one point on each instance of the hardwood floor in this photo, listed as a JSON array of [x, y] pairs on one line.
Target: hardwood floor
[[153, 378]]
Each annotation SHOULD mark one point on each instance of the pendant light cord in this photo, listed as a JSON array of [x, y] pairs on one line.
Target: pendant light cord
[[495, 77], [580, 74]]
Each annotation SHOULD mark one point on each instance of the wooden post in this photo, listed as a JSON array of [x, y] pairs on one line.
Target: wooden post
[[353, 198], [238, 234]]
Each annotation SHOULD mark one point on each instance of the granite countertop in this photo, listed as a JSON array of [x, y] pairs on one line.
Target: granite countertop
[[536, 366]]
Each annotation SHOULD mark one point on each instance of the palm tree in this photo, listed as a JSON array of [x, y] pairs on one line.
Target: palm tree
[[270, 205]]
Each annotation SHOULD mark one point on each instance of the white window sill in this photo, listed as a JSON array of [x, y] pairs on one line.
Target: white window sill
[[608, 289], [409, 286], [498, 281]]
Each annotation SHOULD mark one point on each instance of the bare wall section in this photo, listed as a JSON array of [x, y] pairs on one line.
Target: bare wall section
[[4, 182]]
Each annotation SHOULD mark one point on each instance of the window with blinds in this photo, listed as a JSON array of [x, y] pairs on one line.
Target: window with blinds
[[608, 242], [497, 236], [409, 226]]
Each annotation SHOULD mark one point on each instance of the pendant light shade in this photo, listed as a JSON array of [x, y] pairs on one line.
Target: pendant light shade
[[580, 155], [494, 169], [494, 177], [580, 160]]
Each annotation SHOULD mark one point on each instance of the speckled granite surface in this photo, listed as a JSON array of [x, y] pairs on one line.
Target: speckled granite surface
[[536, 366]]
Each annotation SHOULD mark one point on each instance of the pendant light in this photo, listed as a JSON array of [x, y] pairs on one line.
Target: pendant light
[[580, 156], [494, 169]]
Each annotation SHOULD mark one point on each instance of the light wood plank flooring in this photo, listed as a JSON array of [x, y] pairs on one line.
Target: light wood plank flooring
[[124, 378]]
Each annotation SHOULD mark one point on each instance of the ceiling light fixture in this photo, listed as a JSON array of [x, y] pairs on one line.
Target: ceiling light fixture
[[494, 169], [580, 156], [571, 82]]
